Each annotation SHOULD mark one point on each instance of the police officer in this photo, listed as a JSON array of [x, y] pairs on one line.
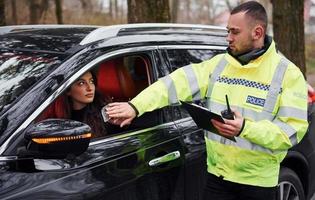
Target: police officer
[[269, 97]]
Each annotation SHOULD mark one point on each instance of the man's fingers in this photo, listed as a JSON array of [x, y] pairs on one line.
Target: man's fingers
[[224, 129], [115, 121], [114, 104], [121, 112], [117, 115], [119, 108], [114, 110], [237, 114], [125, 122]]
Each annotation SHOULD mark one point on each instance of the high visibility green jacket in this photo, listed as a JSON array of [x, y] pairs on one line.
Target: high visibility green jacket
[[271, 94]]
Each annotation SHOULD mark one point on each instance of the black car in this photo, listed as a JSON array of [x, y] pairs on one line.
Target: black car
[[161, 155]]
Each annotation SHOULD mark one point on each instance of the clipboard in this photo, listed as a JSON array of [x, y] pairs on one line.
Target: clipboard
[[202, 117]]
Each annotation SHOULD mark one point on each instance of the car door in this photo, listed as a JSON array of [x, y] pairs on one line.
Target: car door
[[193, 137], [143, 161], [125, 166]]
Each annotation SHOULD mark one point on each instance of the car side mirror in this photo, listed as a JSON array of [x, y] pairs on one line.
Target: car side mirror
[[56, 138]]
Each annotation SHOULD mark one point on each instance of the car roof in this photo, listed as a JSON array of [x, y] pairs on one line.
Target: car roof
[[43, 38], [152, 29], [69, 38]]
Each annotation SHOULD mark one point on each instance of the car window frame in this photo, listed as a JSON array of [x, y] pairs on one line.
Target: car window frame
[[5, 147]]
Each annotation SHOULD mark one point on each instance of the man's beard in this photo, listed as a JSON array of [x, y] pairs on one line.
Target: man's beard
[[245, 50]]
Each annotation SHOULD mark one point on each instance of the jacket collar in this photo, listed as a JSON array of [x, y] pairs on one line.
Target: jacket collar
[[253, 58]]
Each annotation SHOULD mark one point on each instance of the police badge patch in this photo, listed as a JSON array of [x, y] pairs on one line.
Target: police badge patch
[[255, 101]]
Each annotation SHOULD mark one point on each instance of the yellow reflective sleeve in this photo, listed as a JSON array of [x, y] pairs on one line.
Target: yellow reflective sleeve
[[295, 100], [175, 86], [290, 123], [167, 90], [153, 97]]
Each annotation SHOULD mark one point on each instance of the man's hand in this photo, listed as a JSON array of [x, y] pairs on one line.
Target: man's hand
[[120, 113], [230, 127]]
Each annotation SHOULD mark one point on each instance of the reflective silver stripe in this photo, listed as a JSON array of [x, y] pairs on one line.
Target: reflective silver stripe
[[275, 85], [289, 130], [292, 112], [172, 95], [240, 142], [256, 116], [193, 83], [245, 112], [215, 74]]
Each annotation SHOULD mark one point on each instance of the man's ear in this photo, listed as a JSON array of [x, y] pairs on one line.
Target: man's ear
[[258, 32]]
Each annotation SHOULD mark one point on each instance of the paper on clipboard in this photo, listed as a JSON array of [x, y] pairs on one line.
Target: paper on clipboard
[[202, 117]]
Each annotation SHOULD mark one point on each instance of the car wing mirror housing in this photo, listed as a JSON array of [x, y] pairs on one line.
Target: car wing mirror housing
[[56, 139]]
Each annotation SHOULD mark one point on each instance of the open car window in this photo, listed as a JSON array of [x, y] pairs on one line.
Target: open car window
[[117, 79], [123, 78]]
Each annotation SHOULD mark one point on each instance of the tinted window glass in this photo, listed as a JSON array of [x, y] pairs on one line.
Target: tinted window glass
[[20, 70], [179, 58]]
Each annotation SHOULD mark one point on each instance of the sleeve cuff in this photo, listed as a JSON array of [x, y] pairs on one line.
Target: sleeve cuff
[[243, 125], [134, 108]]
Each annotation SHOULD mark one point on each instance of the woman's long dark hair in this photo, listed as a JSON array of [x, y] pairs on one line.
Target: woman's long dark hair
[[62, 107]]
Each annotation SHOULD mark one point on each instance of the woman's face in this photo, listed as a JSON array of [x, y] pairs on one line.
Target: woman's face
[[82, 91]]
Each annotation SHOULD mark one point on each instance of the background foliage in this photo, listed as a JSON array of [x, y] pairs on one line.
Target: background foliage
[[108, 12]]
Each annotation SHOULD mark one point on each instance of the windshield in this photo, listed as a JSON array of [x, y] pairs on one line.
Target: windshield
[[20, 70]]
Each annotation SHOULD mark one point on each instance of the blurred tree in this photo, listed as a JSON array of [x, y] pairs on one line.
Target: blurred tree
[[86, 5], [113, 9], [83, 4], [33, 9], [211, 11], [111, 13], [36, 9], [148, 11], [288, 28], [116, 9], [2, 13], [188, 9], [228, 4], [174, 10], [13, 7], [58, 4]]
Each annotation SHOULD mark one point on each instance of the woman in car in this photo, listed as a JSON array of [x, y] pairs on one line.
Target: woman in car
[[82, 102]]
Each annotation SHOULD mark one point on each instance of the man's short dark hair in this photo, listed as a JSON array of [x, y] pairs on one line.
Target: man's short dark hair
[[253, 9]]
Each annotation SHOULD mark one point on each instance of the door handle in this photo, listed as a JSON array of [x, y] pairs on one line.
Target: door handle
[[164, 159]]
